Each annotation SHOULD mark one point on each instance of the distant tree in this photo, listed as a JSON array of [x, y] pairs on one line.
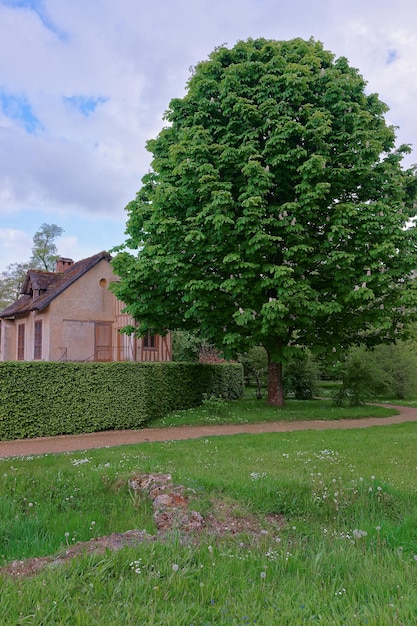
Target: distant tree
[[44, 255], [387, 370], [11, 281], [44, 250], [255, 367], [277, 211]]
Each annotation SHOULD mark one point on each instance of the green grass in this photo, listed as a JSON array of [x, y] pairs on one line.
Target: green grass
[[250, 410], [346, 553]]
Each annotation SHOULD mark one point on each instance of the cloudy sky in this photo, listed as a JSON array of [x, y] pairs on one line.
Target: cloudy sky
[[85, 83]]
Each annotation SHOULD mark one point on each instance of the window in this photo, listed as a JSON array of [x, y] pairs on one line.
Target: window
[[21, 342], [37, 350], [149, 342]]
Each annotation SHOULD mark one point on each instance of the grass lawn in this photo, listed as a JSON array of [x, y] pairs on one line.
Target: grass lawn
[[335, 538], [250, 410]]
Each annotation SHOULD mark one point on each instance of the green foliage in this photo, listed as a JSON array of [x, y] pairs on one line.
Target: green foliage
[[11, 282], [307, 521], [359, 378], [255, 367], [223, 380], [399, 365], [301, 375], [44, 250], [277, 211], [44, 399], [190, 347], [185, 346], [390, 371], [44, 255], [301, 372]]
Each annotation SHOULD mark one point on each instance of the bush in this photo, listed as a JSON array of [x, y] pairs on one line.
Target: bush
[[387, 370], [301, 374], [255, 368], [40, 399]]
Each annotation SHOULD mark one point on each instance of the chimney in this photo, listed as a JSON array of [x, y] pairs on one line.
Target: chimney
[[63, 264]]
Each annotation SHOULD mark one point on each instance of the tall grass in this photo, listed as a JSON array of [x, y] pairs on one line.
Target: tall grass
[[346, 553]]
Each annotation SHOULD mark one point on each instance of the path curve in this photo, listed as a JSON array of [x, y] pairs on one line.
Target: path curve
[[71, 443]]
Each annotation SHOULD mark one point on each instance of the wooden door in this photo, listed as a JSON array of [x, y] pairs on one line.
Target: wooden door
[[103, 345]]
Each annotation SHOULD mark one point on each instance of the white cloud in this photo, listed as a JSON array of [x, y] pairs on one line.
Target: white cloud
[[15, 247], [131, 58]]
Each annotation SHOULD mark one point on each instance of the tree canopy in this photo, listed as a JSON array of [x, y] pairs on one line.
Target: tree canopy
[[44, 255], [277, 211], [44, 250]]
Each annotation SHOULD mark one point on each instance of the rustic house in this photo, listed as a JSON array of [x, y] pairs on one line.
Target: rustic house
[[71, 315]]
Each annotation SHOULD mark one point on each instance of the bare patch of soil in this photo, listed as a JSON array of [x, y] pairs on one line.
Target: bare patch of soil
[[172, 511]]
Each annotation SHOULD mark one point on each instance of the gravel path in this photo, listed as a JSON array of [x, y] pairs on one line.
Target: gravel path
[[68, 443]]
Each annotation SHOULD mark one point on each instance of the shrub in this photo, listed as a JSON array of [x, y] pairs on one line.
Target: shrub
[[39, 399], [388, 370], [301, 373]]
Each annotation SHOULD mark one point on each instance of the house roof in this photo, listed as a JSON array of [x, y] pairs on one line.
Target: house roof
[[50, 284]]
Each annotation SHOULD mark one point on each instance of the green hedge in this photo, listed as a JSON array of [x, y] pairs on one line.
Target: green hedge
[[42, 399]]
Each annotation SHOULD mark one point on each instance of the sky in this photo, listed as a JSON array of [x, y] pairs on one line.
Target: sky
[[85, 83]]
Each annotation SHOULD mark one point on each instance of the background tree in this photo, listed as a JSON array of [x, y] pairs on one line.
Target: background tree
[[11, 281], [44, 255], [44, 250], [276, 212]]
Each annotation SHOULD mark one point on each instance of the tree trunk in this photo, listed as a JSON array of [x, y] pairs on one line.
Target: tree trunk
[[275, 383]]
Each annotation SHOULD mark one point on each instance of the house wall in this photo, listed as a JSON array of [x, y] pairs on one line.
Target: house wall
[[74, 314], [131, 348], [7, 340], [82, 323]]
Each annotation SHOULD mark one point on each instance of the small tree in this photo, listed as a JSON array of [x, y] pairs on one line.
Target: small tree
[[11, 281], [301, 374], [44, 255], [44, 250], [387, 370], [255, 366], [276, 213]]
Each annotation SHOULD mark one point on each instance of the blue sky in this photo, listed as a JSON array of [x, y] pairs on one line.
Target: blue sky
[[84, 85]]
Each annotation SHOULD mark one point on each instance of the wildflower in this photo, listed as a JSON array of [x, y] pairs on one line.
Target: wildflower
[[358, 534], [263, 575], [175, 567], [135, 566]]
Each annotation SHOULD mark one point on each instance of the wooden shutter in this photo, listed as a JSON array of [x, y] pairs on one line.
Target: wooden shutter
[[37, 348], [21, 342]]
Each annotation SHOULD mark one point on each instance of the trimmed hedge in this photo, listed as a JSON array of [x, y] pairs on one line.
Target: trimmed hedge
[[43, 399]]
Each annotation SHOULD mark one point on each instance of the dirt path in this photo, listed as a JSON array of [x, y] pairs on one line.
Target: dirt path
[[68, 443]]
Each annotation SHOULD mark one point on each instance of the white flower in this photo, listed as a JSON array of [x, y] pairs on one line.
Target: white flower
[[175, 567]]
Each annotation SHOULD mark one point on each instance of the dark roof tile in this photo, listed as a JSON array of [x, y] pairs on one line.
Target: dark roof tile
[[52, 283]]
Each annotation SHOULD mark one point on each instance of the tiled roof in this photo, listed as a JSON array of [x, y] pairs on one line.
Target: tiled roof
[[52, 283], [36, 279]]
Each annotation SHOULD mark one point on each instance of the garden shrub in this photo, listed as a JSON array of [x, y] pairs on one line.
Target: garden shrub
[[301, 374], [387, 370], [39, 399]]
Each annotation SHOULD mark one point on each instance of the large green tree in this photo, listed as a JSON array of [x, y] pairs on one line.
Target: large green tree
[[277, 211]]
